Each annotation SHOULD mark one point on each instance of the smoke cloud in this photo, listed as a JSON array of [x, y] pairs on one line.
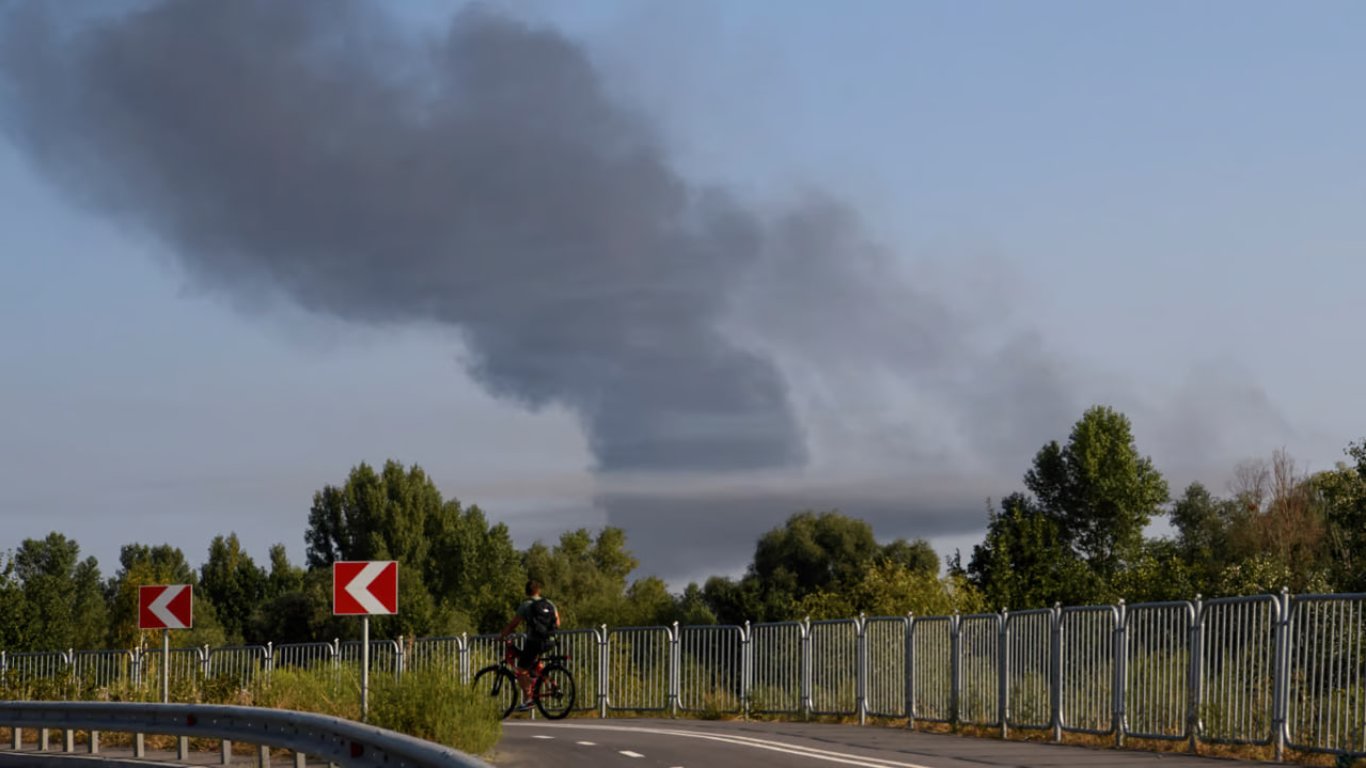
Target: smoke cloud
[[483, 181]]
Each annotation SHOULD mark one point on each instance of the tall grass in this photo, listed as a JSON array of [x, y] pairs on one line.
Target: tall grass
[[427, 703]]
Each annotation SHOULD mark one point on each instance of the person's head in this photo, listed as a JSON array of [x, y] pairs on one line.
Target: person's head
[[533, 588]]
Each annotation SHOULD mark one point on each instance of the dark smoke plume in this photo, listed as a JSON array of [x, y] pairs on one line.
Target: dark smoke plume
[[482, 181]]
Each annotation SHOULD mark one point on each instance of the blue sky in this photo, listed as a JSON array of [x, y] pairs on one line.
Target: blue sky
[[1168, 194]]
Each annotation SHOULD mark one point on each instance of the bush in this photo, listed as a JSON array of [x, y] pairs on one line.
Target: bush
[[434, 705]]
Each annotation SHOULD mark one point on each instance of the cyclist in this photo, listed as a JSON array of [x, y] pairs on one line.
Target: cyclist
[[542, 619]]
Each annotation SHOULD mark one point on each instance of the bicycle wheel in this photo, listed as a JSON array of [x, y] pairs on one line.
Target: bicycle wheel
[[555, 692], [501, 686]]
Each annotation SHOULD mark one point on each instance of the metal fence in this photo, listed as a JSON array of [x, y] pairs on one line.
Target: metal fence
[[1278, 670]]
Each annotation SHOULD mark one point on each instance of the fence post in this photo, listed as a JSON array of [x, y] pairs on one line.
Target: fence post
[[603, 671], [462, 657], [1055, 673], [955, 669], [1280, 686], [675, 672], [746, 669], [1121, 650], [861, 668], [910, 670], [402, 656], [207, 652], [1003, 672], [804, 664], [270, 659], [1197, 640]]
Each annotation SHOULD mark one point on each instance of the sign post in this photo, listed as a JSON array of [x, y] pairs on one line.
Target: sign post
[[361, 588], [166, 607]]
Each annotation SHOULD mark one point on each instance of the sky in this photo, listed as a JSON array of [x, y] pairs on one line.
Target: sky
[[685, 269]]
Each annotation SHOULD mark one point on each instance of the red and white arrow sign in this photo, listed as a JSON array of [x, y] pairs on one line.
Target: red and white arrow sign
[[363, 587], [166, 606]]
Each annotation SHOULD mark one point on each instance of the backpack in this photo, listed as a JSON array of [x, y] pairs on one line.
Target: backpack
[[541, 623]]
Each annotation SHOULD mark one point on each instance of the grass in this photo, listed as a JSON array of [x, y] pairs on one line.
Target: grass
[[428, 704]]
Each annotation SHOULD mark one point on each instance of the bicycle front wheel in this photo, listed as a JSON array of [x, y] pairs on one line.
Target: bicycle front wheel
[[555, 692], [500, 686]]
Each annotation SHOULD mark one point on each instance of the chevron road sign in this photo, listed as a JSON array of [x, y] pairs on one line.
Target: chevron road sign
[[165, 606], [362, 588]]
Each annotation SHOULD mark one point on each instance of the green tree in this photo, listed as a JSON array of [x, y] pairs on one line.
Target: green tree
[[235, 585], [917, 556], [814, 551], [1342, 495], [585, 576], [12, 606], [395, 514], [142, 565], [889, 588], [374, 516], [692, 608], [1098, 490], [475, 572], [62, 602], [1025, 561]]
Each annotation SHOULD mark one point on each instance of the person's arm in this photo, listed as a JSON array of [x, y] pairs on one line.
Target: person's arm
[[557, 618], [511, 626]]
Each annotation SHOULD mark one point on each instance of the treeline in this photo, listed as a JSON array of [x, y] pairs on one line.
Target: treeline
[[1075, 535]]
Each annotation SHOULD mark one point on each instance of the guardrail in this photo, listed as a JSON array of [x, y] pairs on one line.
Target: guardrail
[[340, 742], [1286, 671]]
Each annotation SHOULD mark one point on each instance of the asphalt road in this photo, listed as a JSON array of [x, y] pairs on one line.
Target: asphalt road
[[721, 744]]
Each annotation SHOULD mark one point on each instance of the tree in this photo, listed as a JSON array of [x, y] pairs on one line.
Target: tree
[[1098, 490], [62, 604], [1341, 493], [234, 584], [1203, 523], [814, 551], [474, 571], [1025, 561], [162, 564], [889, 588], [1276, 529], [373, 516], [585, 576], [917, 556]]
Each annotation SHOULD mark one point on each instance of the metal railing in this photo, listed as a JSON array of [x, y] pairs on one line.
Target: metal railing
[[340, 742], [1276, 670]]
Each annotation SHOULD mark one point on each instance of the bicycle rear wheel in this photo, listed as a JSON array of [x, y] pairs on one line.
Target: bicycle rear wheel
[[555, 692], [500, 686]]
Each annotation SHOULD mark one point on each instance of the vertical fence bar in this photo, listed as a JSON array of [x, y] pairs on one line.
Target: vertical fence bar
[[910, 670], [1003, 676], [1121, 673], [1280, 667], [861, 669]]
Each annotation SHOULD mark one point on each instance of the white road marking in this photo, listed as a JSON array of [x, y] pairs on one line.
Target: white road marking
[[629, 753], [844, 758], [539, 736], [587, 743]]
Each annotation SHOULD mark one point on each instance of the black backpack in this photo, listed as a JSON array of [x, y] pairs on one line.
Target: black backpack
[[541, 624]]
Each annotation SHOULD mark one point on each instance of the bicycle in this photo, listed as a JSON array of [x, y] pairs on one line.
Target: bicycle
[[552, 685]]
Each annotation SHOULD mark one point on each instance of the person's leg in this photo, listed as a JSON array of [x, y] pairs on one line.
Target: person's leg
[[526, 660]]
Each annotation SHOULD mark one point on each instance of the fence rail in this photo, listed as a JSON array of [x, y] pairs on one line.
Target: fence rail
[[1278, 670]]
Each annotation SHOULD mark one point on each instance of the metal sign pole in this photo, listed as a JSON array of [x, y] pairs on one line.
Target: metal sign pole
[[165, 666], [364, 667]]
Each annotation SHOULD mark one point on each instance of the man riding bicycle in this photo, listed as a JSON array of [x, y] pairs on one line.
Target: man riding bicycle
[[542, 619]]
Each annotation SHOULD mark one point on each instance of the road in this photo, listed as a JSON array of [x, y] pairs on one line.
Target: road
[[720, 744]]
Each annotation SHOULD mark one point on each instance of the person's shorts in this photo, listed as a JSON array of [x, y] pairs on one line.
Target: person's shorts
[[531, 648]]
